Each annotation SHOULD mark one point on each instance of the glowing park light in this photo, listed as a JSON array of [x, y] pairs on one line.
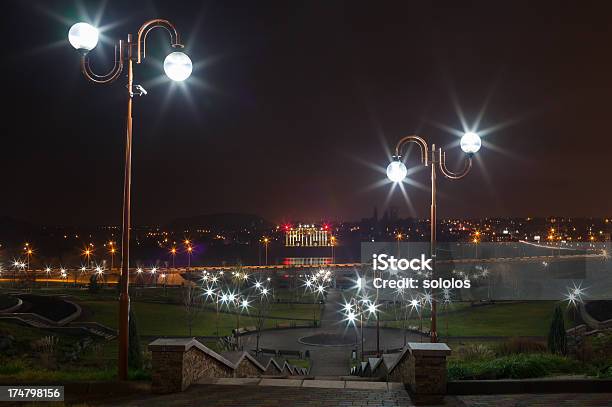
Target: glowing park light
[[351, 317], [83, 36], [321, 289], [257, 284], [244, 304], [571, 299], [178, 66], [415, 304], [139, 270], [308, 284], [396, 171], [99, 270], [348, 307], [264, 292], [447, 296], [372, 308], [154, 270], [470, 142], [578, 291]]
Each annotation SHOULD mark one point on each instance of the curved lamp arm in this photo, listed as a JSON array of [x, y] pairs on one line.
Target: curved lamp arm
[[467, 166], [150, 25], [417, 140], [109, 76]]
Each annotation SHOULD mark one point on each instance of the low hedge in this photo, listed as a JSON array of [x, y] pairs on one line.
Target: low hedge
[[521, 366]]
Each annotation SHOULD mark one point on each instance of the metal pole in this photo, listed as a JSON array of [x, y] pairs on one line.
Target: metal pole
[[434, 317], [124, 297], [361, 327]]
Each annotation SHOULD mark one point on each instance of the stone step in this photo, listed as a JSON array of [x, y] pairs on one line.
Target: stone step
[[331, 383]]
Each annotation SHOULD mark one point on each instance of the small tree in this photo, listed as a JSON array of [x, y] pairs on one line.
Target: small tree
[[94, 287], [557, 337], [263, 309], [134, 351], [191, 302]]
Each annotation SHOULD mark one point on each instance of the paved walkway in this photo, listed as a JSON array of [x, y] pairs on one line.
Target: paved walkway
[[329, 361], [221, 395]]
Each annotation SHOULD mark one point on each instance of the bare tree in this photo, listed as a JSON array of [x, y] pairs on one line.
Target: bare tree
[[192, 301], [263, 309]]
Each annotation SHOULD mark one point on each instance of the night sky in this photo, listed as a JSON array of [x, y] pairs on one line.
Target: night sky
[[292, 102]]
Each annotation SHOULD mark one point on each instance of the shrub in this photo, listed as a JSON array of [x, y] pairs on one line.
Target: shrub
[[46, 348], [521, 366], [475, 352], [11, 367], [94, 287], [515, 346], [44, 345], [557, 337]]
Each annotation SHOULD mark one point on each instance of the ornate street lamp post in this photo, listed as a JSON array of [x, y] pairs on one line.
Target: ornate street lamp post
[[396, 172], [178, 67]]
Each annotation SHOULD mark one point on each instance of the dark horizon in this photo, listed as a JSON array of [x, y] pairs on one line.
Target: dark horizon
[[290, 102]]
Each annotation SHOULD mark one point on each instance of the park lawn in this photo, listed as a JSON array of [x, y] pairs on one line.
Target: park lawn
[[500, 319], [173, 295], [389, 313], [287, 311], [169, 320], [23, 333], [299, 362]]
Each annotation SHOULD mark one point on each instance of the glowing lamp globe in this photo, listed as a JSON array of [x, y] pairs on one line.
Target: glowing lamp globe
[[83, 36], [178, 66], [470, 142], [396, 171]]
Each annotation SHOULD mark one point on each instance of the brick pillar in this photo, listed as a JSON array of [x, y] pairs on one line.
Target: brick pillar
[[177, 363], [422, 366]]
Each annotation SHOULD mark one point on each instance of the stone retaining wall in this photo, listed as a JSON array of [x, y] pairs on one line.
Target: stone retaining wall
[[177, 363]]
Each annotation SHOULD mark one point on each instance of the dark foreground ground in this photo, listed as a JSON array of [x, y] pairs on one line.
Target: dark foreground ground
[[272, 396]]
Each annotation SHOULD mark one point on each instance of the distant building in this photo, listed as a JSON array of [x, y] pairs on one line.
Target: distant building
[[308, 236]]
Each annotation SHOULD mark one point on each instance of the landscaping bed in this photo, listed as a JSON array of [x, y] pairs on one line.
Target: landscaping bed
[[50, 307], [520, 358], [7, 301], [601, 310]]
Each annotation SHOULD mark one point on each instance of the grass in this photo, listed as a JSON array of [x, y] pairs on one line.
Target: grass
[[299, 362], [95, 364], [288, 311], [169, 320], [30, 374], [389, 313], [501, 319]]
